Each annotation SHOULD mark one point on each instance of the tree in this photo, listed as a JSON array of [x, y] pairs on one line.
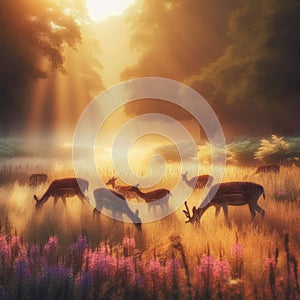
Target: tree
[[254, 85], [32, 33]]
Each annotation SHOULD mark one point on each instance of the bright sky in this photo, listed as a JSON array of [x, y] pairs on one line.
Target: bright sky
[[102, 9]]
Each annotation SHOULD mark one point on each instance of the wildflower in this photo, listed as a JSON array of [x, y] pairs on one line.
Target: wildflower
[[52, 244], [129, 242], [125, 271], [21, 268], [85, 279], [204, 271], [5, 248], [101, 263], [221, 270], [237, 249], [154, 274], [57, 274], [172, 270], [80, 244], [34, 251], [281, 192], [270, 263]]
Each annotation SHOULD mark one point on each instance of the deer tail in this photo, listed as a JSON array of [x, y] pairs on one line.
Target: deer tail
[[263, 193]]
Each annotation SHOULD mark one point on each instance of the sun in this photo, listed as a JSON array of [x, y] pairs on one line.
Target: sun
[[102, 9]]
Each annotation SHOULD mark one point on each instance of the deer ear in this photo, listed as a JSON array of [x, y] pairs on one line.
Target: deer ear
[[194, 210], [137, 185], [114, 178], [35, 198], [137, 212]]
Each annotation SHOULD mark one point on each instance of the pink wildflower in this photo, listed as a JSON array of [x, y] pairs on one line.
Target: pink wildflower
[[237, 249], [269, 261], [129, 242], [52, 244]]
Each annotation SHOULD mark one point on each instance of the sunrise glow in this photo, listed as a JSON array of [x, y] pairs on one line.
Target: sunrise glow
[[100, 10]]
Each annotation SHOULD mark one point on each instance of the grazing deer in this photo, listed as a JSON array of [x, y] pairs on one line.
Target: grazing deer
[[37, 179], [124, 190], [198, 182], [64, 188], [229, 193], [268, 169], [152, 197], [106, 198]]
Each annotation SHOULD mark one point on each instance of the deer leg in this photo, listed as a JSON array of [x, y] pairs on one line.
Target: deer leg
[[225, 209], [252, 211], [55, 201], [96, 212], [217, 212], [260, 210], [63, 199]]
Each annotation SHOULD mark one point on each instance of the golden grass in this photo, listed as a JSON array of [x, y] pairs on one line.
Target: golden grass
[[258, 238]]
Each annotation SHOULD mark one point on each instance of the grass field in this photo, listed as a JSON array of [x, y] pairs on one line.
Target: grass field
[[62, 253]]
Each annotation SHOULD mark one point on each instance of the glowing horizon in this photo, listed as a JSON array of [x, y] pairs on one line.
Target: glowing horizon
[[100, 10]]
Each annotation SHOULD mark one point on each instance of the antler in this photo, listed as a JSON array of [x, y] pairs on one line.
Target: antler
[[194, 217], [187, 212]]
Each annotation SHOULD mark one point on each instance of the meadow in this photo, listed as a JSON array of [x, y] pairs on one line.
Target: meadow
[[62, 253]]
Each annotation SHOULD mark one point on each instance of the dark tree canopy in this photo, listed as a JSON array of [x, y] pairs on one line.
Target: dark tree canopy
[[242, 56], [33, 35]]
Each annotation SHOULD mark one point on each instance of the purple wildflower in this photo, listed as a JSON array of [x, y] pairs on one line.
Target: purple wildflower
[[80, 245], [21, 268], [85, 279]]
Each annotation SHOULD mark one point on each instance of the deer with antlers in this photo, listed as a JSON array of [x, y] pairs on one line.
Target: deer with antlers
[[108, 198], [122, 189], [154, 198], [197, 182], [229, 193], [64, 188]]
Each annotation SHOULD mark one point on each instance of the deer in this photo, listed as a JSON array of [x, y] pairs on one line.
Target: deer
[[268, 169], [124, 190], [152, 197], [64, 188], [37, 179], [198, 182], [229, 193], [106, 198]]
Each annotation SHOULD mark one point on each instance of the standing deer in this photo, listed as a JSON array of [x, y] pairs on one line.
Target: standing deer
[[198, 182], [122, 189], [154, 198], [229, 193], [268, 169], [37, 179], [106, 198], [64, 188]]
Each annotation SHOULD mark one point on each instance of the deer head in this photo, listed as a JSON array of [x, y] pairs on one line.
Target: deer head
[[111, 180], [197, 213], [184, 175]]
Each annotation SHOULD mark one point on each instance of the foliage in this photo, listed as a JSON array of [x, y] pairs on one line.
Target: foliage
[[274, 150], [34, 36]]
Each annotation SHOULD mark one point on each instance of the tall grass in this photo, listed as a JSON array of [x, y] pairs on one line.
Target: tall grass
[[62, 253]]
